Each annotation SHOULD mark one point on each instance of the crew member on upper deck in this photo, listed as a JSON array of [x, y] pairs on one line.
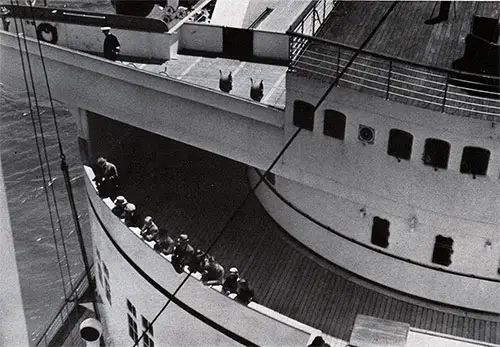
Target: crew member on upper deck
[[111, 44], [106, 178]]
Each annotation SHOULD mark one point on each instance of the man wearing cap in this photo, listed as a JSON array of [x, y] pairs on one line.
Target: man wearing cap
[[106, 178], [183, 253], [214, 272], [149, 230], [111, 44], [231, 283], [164, 244], [130, 216], [119, 208]]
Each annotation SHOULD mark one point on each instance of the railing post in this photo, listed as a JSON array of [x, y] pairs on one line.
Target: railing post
[[388, 80], [314, 21], [338, 60], [445, 93], [324, 10]]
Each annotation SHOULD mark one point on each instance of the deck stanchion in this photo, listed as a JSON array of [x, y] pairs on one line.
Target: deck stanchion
[[338, 60], [388, 80], [445, 93]]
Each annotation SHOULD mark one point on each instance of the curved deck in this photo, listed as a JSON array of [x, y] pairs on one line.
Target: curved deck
[[187, 190]]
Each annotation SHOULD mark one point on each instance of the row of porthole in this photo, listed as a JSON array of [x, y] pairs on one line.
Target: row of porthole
[[436, 152]]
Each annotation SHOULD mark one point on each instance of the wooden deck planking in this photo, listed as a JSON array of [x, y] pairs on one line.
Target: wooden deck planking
[[404, 34], [298, 283]]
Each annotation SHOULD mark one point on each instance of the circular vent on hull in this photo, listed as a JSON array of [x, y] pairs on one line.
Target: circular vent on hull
[[366, 134]]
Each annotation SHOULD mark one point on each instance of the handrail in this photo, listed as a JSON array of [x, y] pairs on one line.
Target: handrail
[[388, 57], [52, 328], [303, 15], [409, 82]]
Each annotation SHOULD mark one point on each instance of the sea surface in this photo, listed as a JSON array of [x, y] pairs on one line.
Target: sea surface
[[40, 275]]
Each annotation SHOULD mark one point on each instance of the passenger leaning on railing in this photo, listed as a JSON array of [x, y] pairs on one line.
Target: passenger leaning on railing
[[164, 244], [244, 293], [106, 178], [149, 230], [213, 273], [119, 208], [183, 253], [130, 216], [230, 285], [198, 262]]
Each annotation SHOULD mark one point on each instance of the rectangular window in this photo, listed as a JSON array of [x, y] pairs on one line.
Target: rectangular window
[[436, 153], [303, 115], [380, 232], [334, 124], [148, 337], [475, 161], [400, 143], [443, 249], [132, 329]]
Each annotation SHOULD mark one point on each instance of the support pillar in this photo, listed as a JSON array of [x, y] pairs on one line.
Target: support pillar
[[13, 331]]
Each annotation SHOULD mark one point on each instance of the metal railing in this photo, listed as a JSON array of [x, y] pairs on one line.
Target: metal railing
[[438, 89], [64, 312], [315, 14]]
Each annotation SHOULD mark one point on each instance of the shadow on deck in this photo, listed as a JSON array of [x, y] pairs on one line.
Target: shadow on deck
[[191, 191]]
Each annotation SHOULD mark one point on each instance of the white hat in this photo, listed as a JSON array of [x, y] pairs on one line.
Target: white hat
[[130, 207], [148, 219], [120, 200], [233, 270], [106, 28]]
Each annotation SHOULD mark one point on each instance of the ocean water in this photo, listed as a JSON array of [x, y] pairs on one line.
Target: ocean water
[[40, 276]]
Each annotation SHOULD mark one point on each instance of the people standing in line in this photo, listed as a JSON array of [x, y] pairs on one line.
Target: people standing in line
[[244, 293], [119, 208], [111, 44], [106, 178], [183, 253], [213, 273], [230, 284], [164, 244], [130, 216], [149, 230], [198, 262]]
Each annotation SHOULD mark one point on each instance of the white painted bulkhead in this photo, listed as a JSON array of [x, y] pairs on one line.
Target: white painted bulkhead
[[176, 326], [346, 183]]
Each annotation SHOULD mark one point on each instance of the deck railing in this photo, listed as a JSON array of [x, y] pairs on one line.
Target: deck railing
[[443, 90], [64, 312], [309, 22]]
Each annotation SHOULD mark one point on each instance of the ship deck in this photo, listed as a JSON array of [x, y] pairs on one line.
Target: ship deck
[[205, 72], [191, 191], [404, 34]]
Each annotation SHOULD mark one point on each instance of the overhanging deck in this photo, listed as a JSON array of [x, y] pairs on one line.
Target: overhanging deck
[[190, 191]]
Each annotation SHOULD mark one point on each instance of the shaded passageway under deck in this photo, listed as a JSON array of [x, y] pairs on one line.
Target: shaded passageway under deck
[[191, 191]]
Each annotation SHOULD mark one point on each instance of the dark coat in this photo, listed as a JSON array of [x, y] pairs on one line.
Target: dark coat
[[111, 47]]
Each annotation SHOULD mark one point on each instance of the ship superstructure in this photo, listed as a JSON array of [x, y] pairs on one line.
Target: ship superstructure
[[387, 192]]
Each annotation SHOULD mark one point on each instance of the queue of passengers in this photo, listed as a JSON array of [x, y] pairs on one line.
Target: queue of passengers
[[183, 254]]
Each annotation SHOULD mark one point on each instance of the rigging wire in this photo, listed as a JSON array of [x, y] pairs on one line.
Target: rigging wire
[[33, 123], [65, 170], [263, 176], [49, 171]]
